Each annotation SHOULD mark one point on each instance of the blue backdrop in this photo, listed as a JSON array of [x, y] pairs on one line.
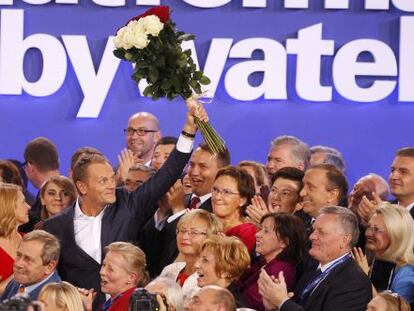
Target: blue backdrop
[[367, 133]]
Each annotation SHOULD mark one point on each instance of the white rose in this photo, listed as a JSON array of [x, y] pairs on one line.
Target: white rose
[[140, 41], [152, 24], [119, 38]]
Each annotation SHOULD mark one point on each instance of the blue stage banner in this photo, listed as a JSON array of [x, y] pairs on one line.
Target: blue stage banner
[[331, 72]]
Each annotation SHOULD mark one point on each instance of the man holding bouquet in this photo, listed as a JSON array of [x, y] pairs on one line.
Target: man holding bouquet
[[104, 214]]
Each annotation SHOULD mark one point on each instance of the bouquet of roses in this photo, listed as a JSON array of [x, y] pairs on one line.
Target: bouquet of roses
[[151, 42]]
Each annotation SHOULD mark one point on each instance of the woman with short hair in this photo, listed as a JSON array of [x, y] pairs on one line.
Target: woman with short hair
[[223, 260], [192, 230], [123, 269], [232, 192]]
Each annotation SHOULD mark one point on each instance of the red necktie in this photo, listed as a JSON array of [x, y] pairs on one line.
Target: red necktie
[[194, 201], [21, 289]]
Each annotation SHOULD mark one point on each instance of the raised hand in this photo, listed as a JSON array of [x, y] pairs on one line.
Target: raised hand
[[360, 259], [257, 209], [126, 161]]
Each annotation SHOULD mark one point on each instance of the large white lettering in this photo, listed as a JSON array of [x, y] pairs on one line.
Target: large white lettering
[[13, 49], [406, 65], [346, 69], [95, 85], [308, 72], [273, 67]]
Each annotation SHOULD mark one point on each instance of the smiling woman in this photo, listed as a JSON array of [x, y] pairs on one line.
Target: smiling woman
[[232, 191], [57, 193]]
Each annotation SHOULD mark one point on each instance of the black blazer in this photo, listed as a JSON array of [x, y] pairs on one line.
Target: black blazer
[[346, 288], [121, 222]]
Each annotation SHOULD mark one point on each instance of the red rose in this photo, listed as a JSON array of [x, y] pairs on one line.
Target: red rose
[[162, 11]]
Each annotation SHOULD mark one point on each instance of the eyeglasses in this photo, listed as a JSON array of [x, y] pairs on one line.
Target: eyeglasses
[[191, 233], [140, 131], [225, 193], [375, 230]]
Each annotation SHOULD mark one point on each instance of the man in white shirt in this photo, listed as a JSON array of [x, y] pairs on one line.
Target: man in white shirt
[[338, 283], [104, 214]]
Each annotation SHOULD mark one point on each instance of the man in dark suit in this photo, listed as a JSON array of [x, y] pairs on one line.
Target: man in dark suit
[[159, 237], [338, 283], [41, 162], [34, 266], [104, 214]]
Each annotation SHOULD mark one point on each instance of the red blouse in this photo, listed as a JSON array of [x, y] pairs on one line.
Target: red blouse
[[245, 232], [6, 266]]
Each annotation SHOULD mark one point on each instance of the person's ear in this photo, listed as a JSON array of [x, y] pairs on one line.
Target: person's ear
[[82, 187]]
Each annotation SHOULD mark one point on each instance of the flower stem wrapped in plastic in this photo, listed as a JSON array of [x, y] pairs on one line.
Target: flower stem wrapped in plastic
[[151, 42]]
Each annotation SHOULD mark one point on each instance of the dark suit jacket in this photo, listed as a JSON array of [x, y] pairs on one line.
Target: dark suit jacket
[[34, 215], [346, 288], [121, 222], [12, 288]]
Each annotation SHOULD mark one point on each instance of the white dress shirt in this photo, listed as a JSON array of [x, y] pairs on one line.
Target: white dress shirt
[[88, 232]]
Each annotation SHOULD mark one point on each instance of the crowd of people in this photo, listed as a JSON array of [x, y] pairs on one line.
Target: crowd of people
[[187, 230]]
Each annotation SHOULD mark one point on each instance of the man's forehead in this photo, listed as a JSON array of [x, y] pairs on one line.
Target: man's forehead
[[203, 156], [315, 174], [97, 170], [403, 162], [30, 248], [142, 120]]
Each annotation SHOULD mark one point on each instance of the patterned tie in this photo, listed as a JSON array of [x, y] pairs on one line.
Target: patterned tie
[[21, 289], [194, 201]]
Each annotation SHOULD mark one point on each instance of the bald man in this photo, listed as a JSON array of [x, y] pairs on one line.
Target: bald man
[[141, 135]]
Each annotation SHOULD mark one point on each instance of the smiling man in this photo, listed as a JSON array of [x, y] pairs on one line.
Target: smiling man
[[104, 214], [401, 178], [323, 185], [141, 135], [337, 283], [34, 267]]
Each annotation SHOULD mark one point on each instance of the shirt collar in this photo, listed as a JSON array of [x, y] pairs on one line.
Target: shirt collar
[[78, 214], [327, 265], [176, 215], [30, 288], [203, 198]]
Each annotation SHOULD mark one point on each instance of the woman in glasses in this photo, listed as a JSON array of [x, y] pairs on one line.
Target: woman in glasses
[[232, 191], [390, 237], [192, 230]]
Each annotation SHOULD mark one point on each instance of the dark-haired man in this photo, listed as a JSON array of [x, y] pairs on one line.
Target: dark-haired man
[[41, 162]]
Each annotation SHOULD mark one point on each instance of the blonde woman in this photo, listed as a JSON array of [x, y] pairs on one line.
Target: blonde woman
[[388, 301], [61, 296], [192, 230], [13, 213], [390, 237], [123, 269]]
